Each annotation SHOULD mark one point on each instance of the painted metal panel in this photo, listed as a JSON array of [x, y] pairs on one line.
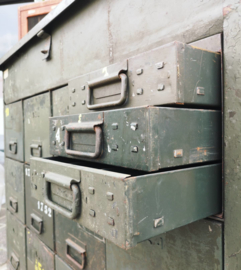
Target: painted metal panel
[[60, 264], [127, 209], [60, 101], [16, 242], [14, 132], [37, 111], [147, 138], [39, 216], [15, 189]]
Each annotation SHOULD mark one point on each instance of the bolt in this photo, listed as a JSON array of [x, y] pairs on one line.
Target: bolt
[[73, 104], [83, 102], [53, 142], [73, 90]]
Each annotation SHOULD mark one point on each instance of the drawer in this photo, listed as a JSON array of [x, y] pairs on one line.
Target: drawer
[[39, 216], [195, 246], [39, 256], [14, 132], [16, 243], [175, 73], [147, 138], [15, 190], [60, 101], [127, 208], [77, 246], [60, 264], [36, 117]]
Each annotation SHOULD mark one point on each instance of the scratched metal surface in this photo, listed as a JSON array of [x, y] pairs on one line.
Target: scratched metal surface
[[107, 41]]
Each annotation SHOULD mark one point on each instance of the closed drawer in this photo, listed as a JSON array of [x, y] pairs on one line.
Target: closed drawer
[[127, 208], [77, 246], [14, 135], [16, 243], [175, 73], [39, 216], [39, 256], [15, 193], [147, 138], [196, 246], [36, 114]]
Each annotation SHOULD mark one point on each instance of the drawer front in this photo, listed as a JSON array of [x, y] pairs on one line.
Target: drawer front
[[39, 256], [16, 243], [60, 101], [36, 114], [15, 190], [148, 138], [123, 209], [39, 216], [195, 246], [14, 133], [153, 79], [77, 246], [60, 264]]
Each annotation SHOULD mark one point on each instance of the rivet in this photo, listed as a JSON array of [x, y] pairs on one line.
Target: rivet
[[62, 143], [91, 190], [114, 126], [92, 213], [111, 221], [62, 128], [160, 65], [200, 91], [83, 87], [134, 149], [139, 91], [83, 102], [134, 126], [139, 71], [53, 142], [110, 196], [114, 147], [35, 172], [73, 104], [43, 174], [158, 222], [178, 153], [53, 128], [161, 87], [73, 90]]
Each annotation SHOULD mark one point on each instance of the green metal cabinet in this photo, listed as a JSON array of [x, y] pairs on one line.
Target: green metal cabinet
[[37, 111], [60, 101], [172, 74], [60, 264], [16, 243], [39, 216], [14, 131], [146, 138], [39, 256], [196, 246], [15, 189], [77, 246], [127, 209]]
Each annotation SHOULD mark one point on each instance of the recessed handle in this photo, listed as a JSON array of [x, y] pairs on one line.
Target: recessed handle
[[13, 205], [14, 261], [67, 183], [80, 251], [13, 147], [39, 221], [103, 81], [84, 127], [38, 147]]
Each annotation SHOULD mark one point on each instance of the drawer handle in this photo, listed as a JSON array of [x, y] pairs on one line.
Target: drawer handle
[[38, 147], [80, 250], [103, 81], [13, 205], [14, 261], [39, 221], [65, 182], [84, 126], [13, 147]]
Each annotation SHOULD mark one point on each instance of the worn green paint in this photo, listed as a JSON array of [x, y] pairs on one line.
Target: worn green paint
[[60, 101], [14, 172], [40, 210], [16, 242], [178, 197], [39, 256], [93, 245], [158, 133], [196, 246], [37, 111], [60, 264], [14, 133]]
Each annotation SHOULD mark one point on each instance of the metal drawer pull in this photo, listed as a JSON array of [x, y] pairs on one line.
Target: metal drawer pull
[[36, 146], [83, 127], [13, 147], [13, 204], [14, 261], [67, 183], [80, 250], [106, 80], [39, 221]]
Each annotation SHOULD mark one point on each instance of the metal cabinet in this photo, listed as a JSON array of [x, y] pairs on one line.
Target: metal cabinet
[[60, 264], [196, 246], [60, 101], [16, 243], [39, 216], [147, 138], [14, 131], [39, 256], [37, 111], [77, 246], [172, 74], [15, 189], [127, 209]]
